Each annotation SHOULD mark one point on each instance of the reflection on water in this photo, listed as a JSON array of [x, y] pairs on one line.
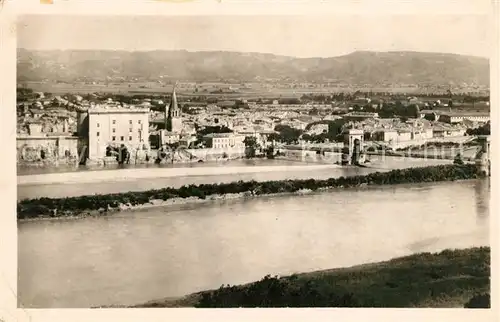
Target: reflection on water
[[482, 188], [134, 257]]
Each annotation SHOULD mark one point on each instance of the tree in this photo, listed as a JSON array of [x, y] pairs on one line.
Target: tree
[[314, 111], [458, 159], [270, 152], [481, 301], [482, 130], [251, 146], [288, 134], [124, 155]]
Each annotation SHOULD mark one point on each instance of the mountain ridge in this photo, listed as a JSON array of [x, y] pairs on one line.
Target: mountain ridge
[[361, 67]]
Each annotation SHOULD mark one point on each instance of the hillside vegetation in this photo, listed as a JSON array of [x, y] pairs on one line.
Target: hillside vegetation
[[451, 278]]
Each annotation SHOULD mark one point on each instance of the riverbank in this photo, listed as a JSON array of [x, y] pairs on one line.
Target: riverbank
[[158, 203], [92, 205], [448, 279]]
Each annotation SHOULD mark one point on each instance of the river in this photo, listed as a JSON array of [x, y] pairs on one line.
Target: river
[[301, 170], [134, 257]]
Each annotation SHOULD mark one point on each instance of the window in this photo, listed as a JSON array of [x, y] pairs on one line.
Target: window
[[97, 133], [121, 138], [114, 121], [130, 138], [130, 121], [130, 130], [139, 121], [114, 130], [114, 138], [97, 124]]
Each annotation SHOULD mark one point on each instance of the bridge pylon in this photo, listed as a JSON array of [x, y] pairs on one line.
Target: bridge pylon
[[482, 159]]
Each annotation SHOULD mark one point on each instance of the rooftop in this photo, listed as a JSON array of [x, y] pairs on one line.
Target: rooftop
[[467, 113], [115, 110], [219, 135]]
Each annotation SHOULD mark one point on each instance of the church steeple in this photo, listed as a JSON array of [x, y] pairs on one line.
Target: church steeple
[[172, 112], [173, 101]]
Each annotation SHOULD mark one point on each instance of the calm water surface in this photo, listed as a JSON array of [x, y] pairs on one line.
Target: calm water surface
[[28, 170], [134, 257]]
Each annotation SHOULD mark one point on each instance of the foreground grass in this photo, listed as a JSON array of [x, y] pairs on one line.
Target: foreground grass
[[64, 207], [450, 278]]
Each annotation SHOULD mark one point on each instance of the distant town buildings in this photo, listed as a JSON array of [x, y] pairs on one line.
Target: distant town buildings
[[71, 127]]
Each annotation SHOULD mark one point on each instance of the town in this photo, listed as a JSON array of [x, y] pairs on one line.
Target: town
[[248, 161], [106, 128]]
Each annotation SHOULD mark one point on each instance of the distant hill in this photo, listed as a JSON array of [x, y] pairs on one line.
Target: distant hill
[[362, 67]]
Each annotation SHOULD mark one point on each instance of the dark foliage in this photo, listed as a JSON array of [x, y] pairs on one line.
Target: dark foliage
[[286, 134], [482, 130], [391, 110], [480, 301], [334, 132], [30, 208], [414, 280], [251, 147], [213, 129], [458, 159]]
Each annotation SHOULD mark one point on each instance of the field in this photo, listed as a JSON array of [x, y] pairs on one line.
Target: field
[[257, 89]]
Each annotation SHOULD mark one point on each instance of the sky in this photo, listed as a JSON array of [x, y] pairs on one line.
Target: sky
[[299, 36]]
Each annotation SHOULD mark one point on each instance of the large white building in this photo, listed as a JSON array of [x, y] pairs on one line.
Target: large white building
[[224, 141], [114, 126], [459, 117]]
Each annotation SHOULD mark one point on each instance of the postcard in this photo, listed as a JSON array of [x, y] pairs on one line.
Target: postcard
[[281, 159]]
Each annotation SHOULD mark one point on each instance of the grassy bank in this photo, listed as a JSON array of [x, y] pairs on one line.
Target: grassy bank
[[75, 206], [450, 278]]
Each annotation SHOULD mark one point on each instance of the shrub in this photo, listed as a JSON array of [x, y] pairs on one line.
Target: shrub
[[479, 301]]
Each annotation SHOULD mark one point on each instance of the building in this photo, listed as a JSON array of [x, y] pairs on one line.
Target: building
[[48, 148], [318, 128], [459, 117], [115, 126], [224, 141], [261, 136], [445, 130], [353, 146], [393, 135], [353, 116], [421, 133], [169, 137], [173, 121], [385, 135]]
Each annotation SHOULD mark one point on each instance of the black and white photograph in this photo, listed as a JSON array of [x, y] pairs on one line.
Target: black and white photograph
[[246, 161]]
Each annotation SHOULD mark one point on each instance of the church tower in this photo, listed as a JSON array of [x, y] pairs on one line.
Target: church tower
[[173, 121]]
